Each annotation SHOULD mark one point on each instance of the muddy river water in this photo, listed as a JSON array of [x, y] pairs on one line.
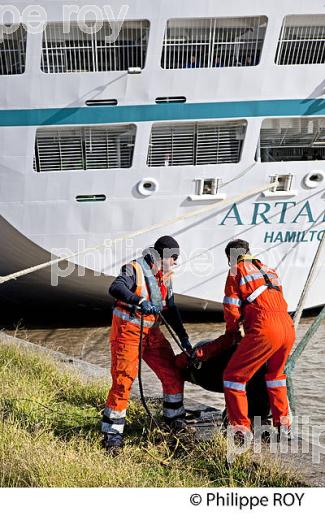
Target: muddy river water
[[91, 344]]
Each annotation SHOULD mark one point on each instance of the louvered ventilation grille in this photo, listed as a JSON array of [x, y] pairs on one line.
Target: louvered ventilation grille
[[84, 148], [213, 42], [196, 144], [73, 50], [302, 41], [12, 50], [298, 139]]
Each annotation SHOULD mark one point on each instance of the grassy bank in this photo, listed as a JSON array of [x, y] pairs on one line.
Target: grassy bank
[[49, 437]]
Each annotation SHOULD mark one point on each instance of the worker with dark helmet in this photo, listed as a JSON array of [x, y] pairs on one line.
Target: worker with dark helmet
[[144, 288], [254, 296]]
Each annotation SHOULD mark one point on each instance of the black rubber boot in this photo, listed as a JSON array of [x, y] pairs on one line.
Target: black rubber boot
[[285, 434], [112, 443], [179, 425]]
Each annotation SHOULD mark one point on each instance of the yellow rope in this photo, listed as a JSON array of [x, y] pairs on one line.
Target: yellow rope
[[142, 231]]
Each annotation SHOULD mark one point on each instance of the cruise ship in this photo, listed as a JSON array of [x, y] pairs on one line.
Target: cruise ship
[[120, 123]]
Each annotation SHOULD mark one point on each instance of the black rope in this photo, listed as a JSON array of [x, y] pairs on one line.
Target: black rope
[[173, 335], [142, 396]]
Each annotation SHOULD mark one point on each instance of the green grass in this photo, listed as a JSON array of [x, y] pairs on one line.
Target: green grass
[[50, 437]]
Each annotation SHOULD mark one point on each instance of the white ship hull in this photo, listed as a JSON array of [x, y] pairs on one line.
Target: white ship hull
[[40, 215]]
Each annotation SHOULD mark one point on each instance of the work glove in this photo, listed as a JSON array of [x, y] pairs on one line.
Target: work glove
[[235, 336], [195, 362], [148, 307]]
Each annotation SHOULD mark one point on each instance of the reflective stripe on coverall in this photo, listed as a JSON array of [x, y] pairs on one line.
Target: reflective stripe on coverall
[[156, 352], [269, 337]]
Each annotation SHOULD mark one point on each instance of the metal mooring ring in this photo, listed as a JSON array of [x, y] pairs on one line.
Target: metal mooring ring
[[314, 179], [148, 186]]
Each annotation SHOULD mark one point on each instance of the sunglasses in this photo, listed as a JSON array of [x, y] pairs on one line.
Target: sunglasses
[[174, 257]]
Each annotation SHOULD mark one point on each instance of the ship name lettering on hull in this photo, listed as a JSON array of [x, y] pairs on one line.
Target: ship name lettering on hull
[[293, 236], [281, 212]]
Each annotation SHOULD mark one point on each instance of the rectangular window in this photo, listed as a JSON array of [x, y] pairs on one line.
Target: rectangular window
[[85, 148], [70, 49], [284, 183], [193, 144], [213, 42], [207, 186], [292, 139], [13, 40], [301, 41]]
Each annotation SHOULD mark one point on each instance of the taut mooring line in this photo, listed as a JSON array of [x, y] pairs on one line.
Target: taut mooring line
[[142, 231]]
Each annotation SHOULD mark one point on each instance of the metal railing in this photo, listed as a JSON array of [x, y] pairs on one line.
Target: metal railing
[[292, 139], [213, 42], [302, 41], [73, 50], [12, 49]]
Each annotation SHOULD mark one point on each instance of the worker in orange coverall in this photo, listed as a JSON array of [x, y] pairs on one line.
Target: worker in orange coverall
[[253, 296], [144, 287]]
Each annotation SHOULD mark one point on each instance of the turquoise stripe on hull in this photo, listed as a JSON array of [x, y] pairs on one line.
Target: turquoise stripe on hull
[[142, 113]]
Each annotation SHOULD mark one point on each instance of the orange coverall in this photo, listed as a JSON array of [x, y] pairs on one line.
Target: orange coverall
[[269, 337], [156, 352]]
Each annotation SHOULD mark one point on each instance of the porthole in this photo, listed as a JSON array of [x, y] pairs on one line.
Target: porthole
[[147, 186], [314, 179]]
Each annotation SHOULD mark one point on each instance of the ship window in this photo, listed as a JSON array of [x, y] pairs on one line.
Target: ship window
[[86, 148], [302, 40], [97, 50], [12, 49], [207, 186], [292, 139], [284, 183], [207, 190], [194, 144], [213, 42]]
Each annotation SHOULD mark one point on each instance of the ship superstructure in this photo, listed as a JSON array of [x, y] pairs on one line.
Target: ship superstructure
[[119, 118]]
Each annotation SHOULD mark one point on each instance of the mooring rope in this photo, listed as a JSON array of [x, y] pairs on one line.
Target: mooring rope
[[291, 363], [142, 231], [304, 294]]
